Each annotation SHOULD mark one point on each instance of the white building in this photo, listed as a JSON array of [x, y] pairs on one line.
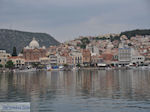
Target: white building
[[4, 57], [93, 49], [124, 55], [128, 55], [77, 57], [17, 61], [137, 59], [61, 60], [45, 61], [53, 59]]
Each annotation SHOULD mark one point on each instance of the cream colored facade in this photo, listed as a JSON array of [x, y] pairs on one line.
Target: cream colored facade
[[45, 60], [18, 62], [4, 57], [61, 60], [77, 57]]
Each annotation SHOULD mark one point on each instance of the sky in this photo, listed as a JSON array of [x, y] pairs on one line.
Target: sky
[[69, 19]]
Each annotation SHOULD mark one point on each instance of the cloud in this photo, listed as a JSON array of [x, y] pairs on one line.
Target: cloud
[[71, 18], [92, 27]]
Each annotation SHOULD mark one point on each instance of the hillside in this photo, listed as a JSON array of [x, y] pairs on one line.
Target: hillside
[[129, 34], [20, 39], [132, 33]]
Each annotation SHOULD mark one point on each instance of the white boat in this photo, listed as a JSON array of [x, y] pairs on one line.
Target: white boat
[[108, 68], [74, 68], [144, 67], [133, 67], [26, 70]]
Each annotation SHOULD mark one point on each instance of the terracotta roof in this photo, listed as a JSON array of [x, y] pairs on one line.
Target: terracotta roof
[[15, 57], [107, 56]]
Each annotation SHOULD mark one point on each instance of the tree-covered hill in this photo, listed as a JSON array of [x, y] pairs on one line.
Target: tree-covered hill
[[129, 34], [132, 33], [20, 39]]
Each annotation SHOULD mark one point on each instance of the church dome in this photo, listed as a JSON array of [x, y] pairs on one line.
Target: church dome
[[34, 44]]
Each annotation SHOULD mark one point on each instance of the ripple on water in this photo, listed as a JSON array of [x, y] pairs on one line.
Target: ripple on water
[[81, 91]]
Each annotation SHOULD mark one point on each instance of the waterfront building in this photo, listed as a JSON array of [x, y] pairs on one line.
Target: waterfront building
[[86, 57], [61, 60], [77, 57], [107, 58], [17, 61], [45, 61], [94, 60], [33, 52], [124, 54], [69, 60], [137, 59], [53, 59], [4, 57]]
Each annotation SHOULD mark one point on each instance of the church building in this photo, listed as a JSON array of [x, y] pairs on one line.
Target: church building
[[34, 52]]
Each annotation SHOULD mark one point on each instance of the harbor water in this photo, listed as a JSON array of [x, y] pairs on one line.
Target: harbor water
[[79, 91]]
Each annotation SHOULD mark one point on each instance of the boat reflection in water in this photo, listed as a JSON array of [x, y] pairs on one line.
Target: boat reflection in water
[[79, 91]]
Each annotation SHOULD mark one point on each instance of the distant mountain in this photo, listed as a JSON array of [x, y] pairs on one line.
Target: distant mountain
[[132, 33], [20, 39]]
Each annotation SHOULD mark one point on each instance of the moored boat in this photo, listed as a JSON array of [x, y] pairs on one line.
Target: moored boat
[[25, 70]]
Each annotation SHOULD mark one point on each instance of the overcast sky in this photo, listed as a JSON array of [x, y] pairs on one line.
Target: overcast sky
[[68, 19]]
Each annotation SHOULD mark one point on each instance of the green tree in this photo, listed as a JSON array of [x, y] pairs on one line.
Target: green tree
[[133, 33], [96, 38], [21, 51], [1, 66], [66, 66], [14, 51], [9, 64], [78, 65], [103, 38], [129, 44], [83, 46], [85, 41]]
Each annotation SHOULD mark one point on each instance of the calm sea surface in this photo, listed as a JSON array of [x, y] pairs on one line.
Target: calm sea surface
[[79, 91]]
